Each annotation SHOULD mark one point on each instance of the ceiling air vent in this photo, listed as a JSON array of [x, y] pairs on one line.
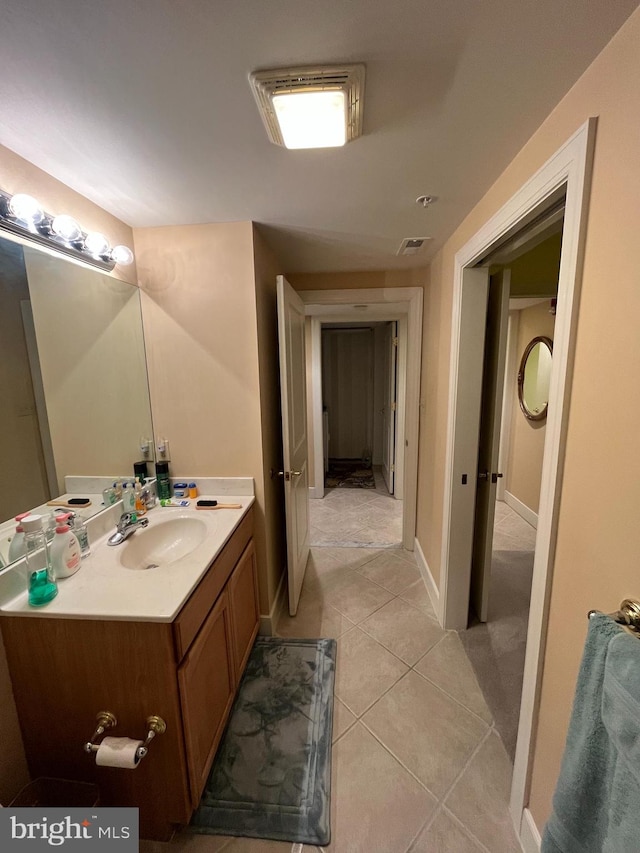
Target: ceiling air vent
[[347, 79], [412, 245]]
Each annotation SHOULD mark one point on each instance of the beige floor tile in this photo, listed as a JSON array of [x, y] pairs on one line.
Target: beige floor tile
[[448, 666], [352, 558], [343, 719], [403, 629], [356, 597], [365, 670], [417, 595], [370, 537], [429, 733], [444, 836], [406, 555], [377, 807], [186, 842], [390, 571], [480, 798], [313, 620]]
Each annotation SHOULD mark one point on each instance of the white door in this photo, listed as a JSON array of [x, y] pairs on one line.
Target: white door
[[489, 440], [390, 405], [294, 435], [466, 408]]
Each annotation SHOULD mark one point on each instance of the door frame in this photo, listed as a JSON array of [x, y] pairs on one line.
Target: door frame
[[380, 303], [570, 167]]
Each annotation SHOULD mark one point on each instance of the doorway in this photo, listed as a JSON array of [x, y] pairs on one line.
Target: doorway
[[404, 305], [566, 173], [505, 533], [359, 504]]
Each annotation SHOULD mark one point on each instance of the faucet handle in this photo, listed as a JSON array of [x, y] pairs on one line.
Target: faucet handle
[[126, 519]]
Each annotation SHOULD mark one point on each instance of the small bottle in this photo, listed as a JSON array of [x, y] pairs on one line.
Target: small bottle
[[140, 505], [193, 491], [117, 487], [17, 547], [79, 527], [40, 575], [65, 552]]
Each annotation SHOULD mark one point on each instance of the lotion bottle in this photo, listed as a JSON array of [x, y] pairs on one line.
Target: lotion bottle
[[65, 552]]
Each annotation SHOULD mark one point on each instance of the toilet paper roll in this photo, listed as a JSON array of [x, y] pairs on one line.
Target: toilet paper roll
[[118, 752]]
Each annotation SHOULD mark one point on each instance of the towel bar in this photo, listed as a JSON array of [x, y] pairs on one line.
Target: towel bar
[[628, 615]]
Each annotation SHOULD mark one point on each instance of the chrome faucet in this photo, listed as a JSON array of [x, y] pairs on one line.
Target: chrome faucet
[[127, 525]]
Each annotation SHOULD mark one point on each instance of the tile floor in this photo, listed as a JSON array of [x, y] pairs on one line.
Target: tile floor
[[357, 517], [417, 763]]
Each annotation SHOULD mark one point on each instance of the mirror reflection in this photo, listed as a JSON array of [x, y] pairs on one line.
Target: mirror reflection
[[534, 377], [75, 398]]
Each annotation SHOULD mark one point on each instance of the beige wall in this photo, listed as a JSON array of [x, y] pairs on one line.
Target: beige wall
[[596, 561], [349, 280], [18, 175], [526, 446], [207, 329]]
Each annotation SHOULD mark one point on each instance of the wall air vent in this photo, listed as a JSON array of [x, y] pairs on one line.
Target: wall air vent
[[412, 245]]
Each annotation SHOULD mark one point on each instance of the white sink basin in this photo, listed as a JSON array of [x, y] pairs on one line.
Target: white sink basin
[[162, 542]]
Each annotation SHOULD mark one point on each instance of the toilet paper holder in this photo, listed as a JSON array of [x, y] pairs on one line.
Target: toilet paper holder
[[107, 720]]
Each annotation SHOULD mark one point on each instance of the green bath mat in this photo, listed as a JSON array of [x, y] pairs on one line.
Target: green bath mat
[[272, 775]]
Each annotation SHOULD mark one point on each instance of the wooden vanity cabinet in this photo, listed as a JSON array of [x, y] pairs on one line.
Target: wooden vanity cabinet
[[66, 670]]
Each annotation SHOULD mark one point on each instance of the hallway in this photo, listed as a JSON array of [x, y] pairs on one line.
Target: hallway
[[357, 518]]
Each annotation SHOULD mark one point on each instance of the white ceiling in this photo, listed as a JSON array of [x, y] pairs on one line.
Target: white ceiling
[[144, 106]]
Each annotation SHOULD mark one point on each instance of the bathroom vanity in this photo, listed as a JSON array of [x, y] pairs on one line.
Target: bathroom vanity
[[162, 652]]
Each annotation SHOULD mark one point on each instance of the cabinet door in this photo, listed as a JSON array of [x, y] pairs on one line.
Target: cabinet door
[[207, 683], [243, 603]]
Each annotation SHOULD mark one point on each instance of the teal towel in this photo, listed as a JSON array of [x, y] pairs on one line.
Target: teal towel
[[596, 805]]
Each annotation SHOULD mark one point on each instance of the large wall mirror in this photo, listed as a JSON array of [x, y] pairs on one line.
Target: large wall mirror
[[534, 377], [73, 378]]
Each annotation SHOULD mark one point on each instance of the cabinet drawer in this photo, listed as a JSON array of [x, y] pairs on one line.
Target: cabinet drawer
[[187, 623], [207, 683]]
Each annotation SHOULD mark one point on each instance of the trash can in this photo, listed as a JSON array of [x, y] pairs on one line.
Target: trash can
[[62, 793]]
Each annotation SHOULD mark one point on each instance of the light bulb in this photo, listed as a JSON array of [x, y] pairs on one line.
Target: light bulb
[[96, 243], [26, 208], [122, 255], [66, 228]]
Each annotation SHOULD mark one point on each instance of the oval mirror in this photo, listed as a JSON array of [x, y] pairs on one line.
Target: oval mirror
[[533, 378]]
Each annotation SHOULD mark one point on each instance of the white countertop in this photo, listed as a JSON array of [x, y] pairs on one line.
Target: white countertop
[[105, 589]]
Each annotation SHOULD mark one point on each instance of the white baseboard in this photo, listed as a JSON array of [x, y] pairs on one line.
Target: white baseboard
[[427, 577], [269, 623], [522, 509], [316, 492], [529, 835]]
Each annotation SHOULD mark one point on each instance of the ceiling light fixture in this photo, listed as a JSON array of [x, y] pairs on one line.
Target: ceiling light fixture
[[317, 107], [426, 200], [23, 215]]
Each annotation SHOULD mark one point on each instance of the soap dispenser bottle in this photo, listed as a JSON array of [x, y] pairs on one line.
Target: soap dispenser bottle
[[40, 575], [17, 546], [65, 552]]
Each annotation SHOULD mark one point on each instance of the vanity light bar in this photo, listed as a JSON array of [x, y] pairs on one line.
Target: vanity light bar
[[23, 215]]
